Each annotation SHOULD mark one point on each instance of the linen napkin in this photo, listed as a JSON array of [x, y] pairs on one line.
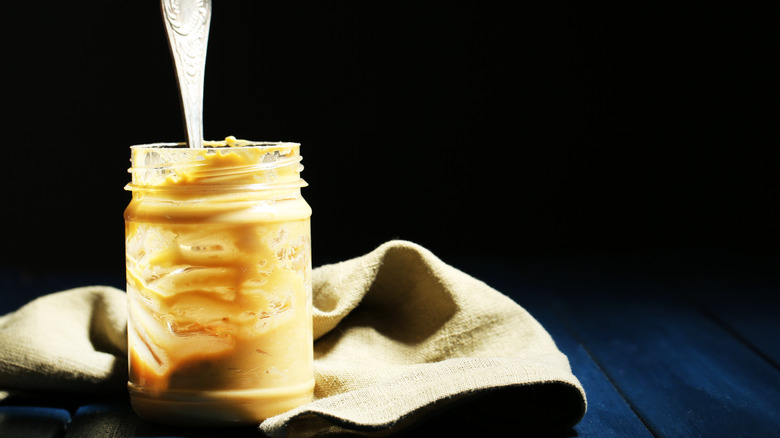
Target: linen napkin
[[400, 337]]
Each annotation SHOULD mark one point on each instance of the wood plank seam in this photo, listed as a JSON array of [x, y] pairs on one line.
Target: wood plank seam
[[558, 310], [736, 334]]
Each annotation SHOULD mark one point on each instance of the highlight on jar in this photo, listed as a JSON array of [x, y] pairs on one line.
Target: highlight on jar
[[218, 253]]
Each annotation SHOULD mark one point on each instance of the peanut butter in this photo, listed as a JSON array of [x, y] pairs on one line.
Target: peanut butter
[[218, 281]]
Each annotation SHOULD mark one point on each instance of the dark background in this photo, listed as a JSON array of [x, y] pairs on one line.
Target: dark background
[[477, 129]]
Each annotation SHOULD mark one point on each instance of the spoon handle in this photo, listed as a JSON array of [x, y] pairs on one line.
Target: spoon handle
[[187, 25]]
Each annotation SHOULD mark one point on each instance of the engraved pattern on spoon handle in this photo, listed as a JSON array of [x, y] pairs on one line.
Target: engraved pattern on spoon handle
[[187, 25]]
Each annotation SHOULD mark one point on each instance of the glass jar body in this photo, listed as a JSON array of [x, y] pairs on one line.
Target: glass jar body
[[219, 288]]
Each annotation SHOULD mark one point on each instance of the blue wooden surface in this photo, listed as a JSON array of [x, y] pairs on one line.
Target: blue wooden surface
[[665, 350], [33, 421]]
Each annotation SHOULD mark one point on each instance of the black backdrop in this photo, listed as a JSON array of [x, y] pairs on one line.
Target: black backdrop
[[472, 128]]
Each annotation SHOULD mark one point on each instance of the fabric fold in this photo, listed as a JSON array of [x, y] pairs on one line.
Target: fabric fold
[[72, 340], [401, 335]]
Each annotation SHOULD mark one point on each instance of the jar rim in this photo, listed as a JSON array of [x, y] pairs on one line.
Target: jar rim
[[219, 144], [154, 163]]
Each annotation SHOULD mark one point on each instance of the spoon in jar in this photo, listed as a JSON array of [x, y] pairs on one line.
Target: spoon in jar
[[187, 25]]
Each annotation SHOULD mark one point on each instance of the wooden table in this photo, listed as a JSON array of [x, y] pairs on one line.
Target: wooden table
[[679, 345]]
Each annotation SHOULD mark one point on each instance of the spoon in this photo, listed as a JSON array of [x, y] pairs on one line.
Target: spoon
[[187, 25]]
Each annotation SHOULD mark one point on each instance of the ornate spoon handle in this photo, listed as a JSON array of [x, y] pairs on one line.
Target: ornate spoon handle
[[187, 25]]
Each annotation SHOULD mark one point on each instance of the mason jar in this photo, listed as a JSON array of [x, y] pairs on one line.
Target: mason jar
[[218, 254]]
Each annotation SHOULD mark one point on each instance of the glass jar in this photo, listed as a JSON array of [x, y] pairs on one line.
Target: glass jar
[[218, 256]]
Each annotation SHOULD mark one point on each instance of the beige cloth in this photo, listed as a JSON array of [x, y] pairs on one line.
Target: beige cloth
[[400, 338]]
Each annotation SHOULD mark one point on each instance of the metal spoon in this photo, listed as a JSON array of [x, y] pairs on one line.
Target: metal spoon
[[187, 25]]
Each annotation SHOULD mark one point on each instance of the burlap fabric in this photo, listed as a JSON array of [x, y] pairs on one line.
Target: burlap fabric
[[401, 338]]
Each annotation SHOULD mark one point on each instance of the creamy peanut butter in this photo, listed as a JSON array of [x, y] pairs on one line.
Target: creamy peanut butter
[[218, 281]]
